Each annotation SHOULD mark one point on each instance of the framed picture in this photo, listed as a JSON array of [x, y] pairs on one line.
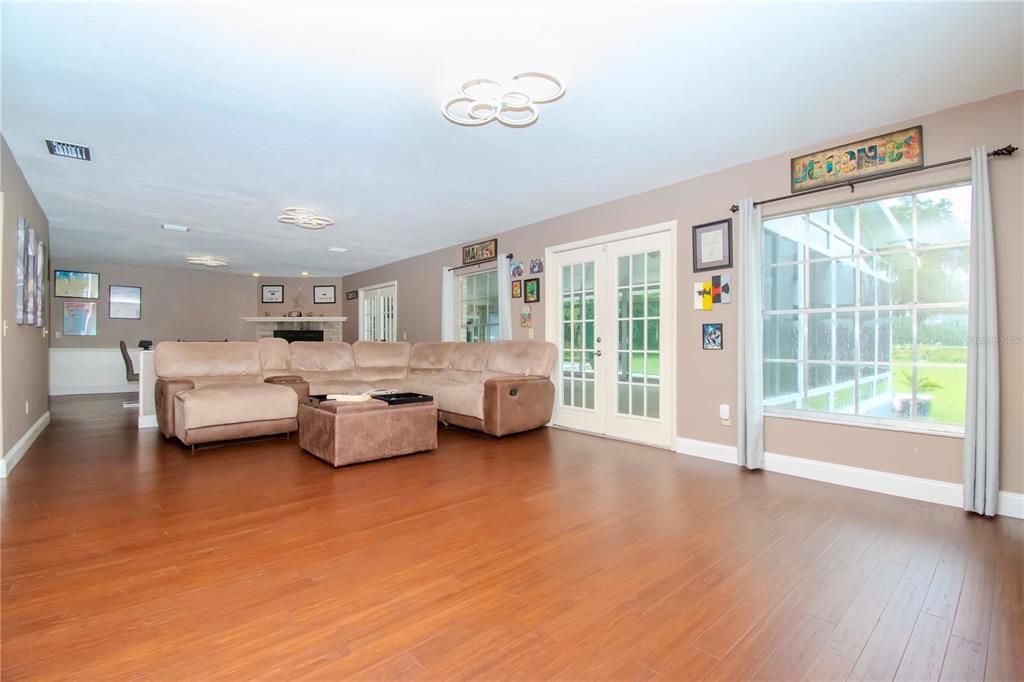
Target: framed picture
[[30, 277], [893, 151], [531, 290], [536, 266], [125, 302], [324, 293], [712, 245], [516, 268], [352, 295], [526, 317], [481, 252], [74, 284], [272, 293], [19, 267], [79, 318], [517, 288], [40, 276], [711, 335]]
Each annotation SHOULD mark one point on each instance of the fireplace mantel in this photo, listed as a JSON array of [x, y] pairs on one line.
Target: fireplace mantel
[[267, 325], [294, 319]]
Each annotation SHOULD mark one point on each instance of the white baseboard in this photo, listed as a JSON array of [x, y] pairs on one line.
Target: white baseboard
[[706, 450], [94, 390], [912, 487], [1011, 504], [18, 450], [147, 421]]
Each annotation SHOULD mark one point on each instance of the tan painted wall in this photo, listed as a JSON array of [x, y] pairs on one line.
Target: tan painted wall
[[292, 286], [26, 365], [707, 379], [192, 304]]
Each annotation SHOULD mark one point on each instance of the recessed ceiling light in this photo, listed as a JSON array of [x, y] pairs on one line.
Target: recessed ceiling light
[[305, 274], [68, 150], [175, 228], [337, 249], [255, 274], [305, 218], [514, 103], [208, 261]]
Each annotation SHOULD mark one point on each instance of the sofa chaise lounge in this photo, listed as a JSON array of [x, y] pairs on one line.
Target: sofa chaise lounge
[[217, 391]]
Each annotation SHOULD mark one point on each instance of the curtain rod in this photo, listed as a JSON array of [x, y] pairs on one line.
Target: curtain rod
[[459, 267], [1008, 150]]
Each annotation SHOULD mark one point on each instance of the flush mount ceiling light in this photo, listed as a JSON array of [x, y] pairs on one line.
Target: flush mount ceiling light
[[305, 218], [175, 228], [337, 249], [208, 261], [514, 104]]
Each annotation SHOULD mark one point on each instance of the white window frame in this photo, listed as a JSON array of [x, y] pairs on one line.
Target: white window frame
[[457, 294], [854, 419]]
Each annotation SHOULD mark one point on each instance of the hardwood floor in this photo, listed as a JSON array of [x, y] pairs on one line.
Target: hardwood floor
[[545, 555]]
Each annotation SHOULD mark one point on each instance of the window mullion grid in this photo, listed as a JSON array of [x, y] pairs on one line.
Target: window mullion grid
[[804, 373], [915, 268]]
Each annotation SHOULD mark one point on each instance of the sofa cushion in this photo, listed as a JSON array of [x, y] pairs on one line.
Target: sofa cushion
[[327, 384], [206, 358], [375, 361], [433, 355], [330, 356], [203, 382], [234, 404], [467, 362], [521, 358], [458, 397], [275, 357]]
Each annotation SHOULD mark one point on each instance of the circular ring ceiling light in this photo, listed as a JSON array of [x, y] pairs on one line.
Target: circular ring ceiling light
[[482, 100], [306, 218], [208, 261]]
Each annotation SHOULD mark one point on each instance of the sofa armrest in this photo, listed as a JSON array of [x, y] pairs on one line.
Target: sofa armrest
[[166, 389], [513, 404], [296, 383]]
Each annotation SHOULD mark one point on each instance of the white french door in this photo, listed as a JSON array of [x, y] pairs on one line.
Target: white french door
[[613, 308], [378, 312]]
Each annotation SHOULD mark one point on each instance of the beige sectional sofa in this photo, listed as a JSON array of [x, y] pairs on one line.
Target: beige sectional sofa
[[208, 390]]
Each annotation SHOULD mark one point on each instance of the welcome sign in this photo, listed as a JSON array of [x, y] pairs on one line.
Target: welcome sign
[[858, 160]]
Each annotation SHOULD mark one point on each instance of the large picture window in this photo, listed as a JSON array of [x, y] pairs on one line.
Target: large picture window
[[865, 309], [477, 307]]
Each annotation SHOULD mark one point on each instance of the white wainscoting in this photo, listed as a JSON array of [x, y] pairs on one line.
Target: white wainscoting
[[90, 370], [912, 487]]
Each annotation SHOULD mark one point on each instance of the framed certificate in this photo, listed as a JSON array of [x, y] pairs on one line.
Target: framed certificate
[[324, 293], [712, 245]]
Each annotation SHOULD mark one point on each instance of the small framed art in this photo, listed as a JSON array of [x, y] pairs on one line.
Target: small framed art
[[324, 293], [74, 284], [79, 318], [711, 335], [352, 295], [272, 293], [712, 245], [531, 290], [517, 288], [125, 302]]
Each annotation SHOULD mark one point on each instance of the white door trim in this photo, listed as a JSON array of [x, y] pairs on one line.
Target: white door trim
[[361, 290], [551, 301], [669, 226]]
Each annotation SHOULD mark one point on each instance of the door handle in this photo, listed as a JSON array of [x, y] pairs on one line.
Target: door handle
[[598, 353]]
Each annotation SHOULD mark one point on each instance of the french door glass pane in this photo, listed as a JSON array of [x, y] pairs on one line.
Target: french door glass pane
[[578, 338], [639, 334]]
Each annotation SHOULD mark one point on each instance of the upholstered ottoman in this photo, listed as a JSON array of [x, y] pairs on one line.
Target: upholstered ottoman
[[343, 433], [234, 410]]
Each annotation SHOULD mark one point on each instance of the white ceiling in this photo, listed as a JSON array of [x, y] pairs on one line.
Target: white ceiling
[[217, 117]]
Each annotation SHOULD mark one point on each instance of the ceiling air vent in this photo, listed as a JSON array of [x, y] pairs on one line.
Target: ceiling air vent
[[72, 151]]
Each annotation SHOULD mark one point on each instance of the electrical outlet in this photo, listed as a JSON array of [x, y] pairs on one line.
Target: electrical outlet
[[529, 333]]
